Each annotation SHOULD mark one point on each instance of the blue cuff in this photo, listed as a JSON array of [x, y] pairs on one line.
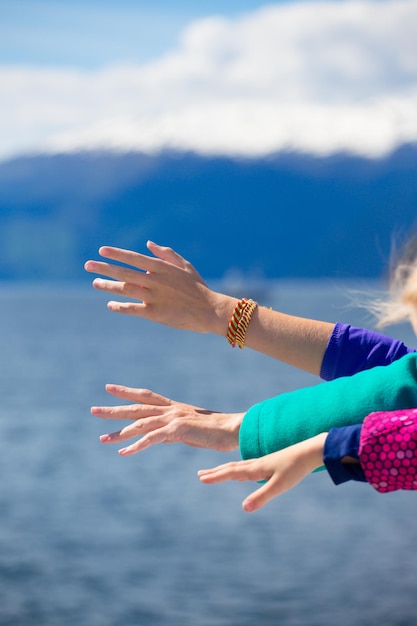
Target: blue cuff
[[341, 442]]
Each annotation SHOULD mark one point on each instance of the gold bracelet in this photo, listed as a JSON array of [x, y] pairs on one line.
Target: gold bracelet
[[239, 322]]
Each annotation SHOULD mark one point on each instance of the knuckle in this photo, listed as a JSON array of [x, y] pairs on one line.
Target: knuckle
[[175, 431], [132, 409], [146, 394], [124, 287], [176, 424]]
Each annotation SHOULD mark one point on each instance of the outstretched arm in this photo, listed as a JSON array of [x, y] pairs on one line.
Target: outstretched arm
[[382, 451], [167, 289]]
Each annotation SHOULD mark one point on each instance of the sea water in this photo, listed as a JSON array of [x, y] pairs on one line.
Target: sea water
[[93, 539]]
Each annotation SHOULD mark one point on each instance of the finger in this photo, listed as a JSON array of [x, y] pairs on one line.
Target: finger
[[162, 435], [144, 396], [138, 428], [125, 412], [128, 257], [140, 309], [117, 272], [261, 496], [236, 470], [125, 290], [166, 254]]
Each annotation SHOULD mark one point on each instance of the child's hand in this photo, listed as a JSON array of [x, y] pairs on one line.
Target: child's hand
[[281, 470]]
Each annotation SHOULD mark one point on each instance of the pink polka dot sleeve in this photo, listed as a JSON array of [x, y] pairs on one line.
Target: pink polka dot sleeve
[[388, 450]]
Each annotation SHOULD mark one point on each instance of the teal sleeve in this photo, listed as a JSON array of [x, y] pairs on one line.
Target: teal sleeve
[[297, 415]]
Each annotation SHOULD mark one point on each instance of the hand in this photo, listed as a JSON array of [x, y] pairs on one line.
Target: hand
[[282, 470], [169, 290], [157, 419]]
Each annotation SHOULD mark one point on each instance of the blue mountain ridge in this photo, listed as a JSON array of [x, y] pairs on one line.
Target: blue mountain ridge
[[288, 215]]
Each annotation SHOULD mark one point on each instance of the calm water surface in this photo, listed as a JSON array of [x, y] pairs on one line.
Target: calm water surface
[[91, 539]]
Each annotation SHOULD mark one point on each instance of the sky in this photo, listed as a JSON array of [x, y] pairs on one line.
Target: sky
[[238, 77]]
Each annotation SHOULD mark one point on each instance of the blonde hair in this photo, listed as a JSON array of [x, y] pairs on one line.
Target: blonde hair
[[401, 302]]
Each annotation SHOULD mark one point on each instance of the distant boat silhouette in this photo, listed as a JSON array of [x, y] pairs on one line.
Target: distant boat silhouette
[[252, 284]]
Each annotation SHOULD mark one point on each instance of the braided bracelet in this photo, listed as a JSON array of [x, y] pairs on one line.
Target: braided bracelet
[[239, 322]]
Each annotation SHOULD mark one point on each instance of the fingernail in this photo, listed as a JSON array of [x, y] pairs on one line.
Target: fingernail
[[104, 438], [248, 506], [97, 282]]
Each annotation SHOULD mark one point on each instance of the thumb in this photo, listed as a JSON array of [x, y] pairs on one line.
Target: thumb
[[261, 496]]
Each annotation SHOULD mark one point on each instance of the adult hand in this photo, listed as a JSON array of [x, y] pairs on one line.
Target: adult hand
[[157, 419], [169, 290], [281, 470]]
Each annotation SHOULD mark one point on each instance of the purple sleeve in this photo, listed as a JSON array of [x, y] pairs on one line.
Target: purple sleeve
[[351, 350], [388, 450], [341, 442]]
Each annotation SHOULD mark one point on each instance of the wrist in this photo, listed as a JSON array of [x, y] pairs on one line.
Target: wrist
[[221, 309], [314, 450], [235, 422]]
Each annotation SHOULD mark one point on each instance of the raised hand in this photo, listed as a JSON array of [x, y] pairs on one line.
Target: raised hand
[[165, 288], [157, 419]]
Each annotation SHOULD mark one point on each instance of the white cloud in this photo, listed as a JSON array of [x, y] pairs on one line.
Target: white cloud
[[313, 76]]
